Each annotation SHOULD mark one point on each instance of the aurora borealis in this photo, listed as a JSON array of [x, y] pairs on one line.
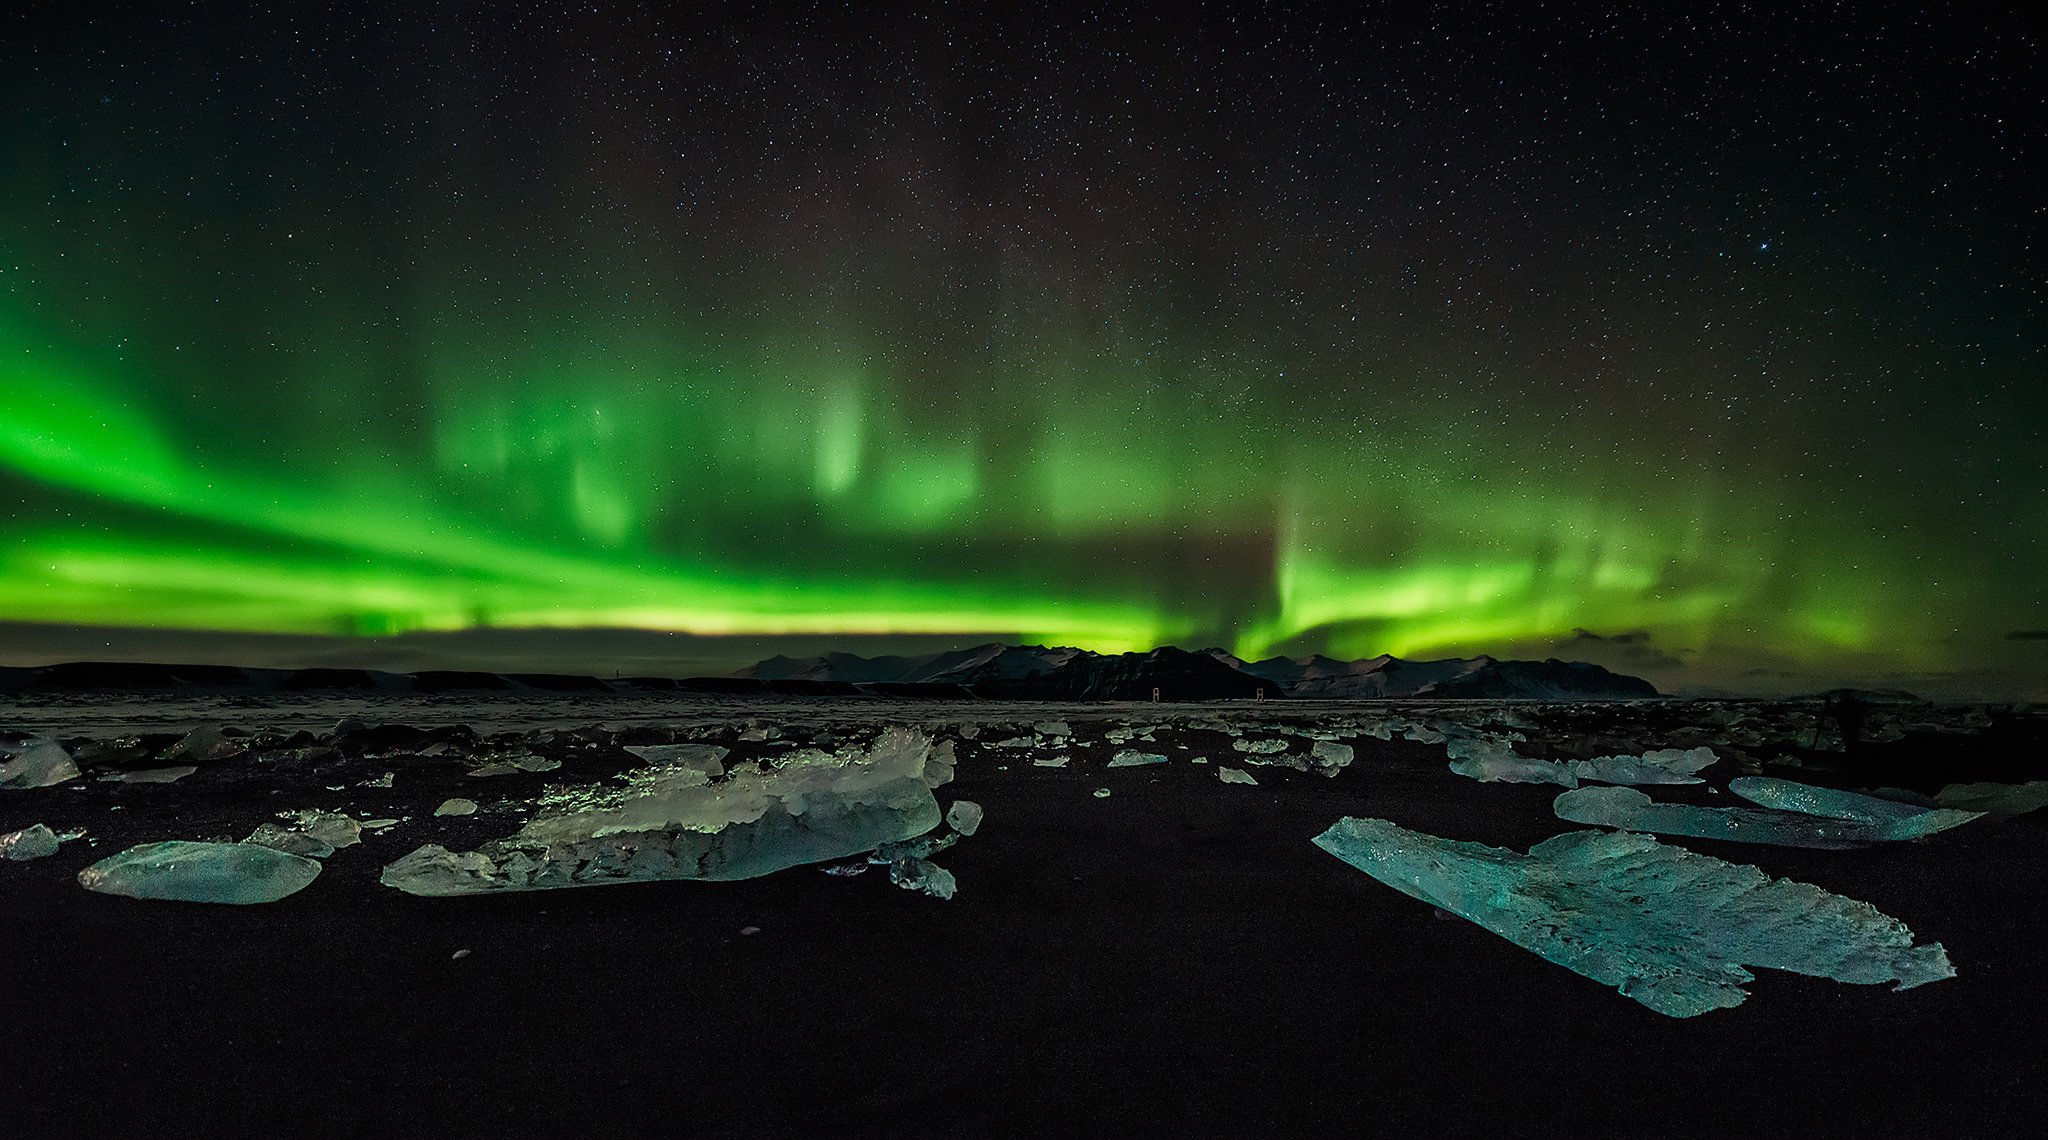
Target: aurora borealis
[[1422, 334]]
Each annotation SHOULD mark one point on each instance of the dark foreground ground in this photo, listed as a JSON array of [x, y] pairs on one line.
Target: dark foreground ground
[[1174, 959]]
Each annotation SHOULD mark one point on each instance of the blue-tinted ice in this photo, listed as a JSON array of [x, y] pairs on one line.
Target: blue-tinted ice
[[1672, 929]]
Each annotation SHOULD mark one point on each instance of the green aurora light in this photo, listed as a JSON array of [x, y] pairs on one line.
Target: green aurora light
[[290, 392]]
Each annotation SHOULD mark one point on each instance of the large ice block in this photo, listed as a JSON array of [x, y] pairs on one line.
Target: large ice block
[[1891, 819], [1669, 928], [1631, 810], [239, 873], [1659, 766], [753, 822]]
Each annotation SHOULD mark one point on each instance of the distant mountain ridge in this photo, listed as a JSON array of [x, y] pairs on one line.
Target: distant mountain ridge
[[1037, 671], [993, 672]]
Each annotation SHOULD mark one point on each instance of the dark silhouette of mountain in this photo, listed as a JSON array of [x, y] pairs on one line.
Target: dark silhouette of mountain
[[993, 671]]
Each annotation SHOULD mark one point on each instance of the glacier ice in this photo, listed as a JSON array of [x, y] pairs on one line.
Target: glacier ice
[[753, 822], [239, 873], [35, 841], [35, 764], [1892, 819], [1660, 766], [1259, 747], [1131, 758], [1234, 776], [1330, 757], [1495, 762], [1631, 810], [1989, 798], [1669, 928], [170, 775], [964, 816]]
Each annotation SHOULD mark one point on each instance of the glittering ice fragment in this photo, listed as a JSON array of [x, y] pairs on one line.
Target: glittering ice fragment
[[1889, 818], [35, 841], [1234, 776], [1131, 758], [964, 816], [236, 873], [1669, 928], [1631, 810], [1660, 766], [752, 822]]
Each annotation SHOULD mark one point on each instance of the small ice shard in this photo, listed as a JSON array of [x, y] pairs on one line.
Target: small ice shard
[[970, 731], [35, 841], [1234, 776], [1330, 757], [1259, 747], [1494, 762], [1016, 742], [1048, 761], [291, 842], [964, 816], [1052, 728], [388, 779], [533, 763], [751, 823], [1130, 758], [457, 806], [1892, 819], [154, 775], [1631, 810], [35, 764], [1669, 928], [1101, 793], [923, 875], [1661, 766], [238, 873], [381, 824]]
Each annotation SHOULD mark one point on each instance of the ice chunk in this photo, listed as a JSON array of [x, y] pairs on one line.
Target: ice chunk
[[1631, 810], [1669, 928], [1894, 820], [387, 780], [292, 842], [1330, 757], [964, 816], [330, 827], [1017, 742], [238, 873], [1234, 776], [1992, 799], [939, 766], [456, 806], [1662, 766], [923, 875], [1129, 758], [154, 775], [1100, 793], [1048, 761], [1423, 734], [1052, 728], [35, 764], [1495, 762], [1259, 747], [751, 823], [203, 744], [706, 758], [35, 841]]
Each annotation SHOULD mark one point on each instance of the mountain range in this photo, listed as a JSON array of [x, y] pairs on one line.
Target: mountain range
[[1038, 672]]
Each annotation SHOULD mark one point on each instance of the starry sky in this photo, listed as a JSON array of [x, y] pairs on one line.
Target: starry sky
[[1704, 341]]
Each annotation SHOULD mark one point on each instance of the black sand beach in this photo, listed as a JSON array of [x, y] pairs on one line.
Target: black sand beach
[[1176, 958]]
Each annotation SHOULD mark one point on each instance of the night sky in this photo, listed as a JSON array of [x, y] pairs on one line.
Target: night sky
[[1703, 341]]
